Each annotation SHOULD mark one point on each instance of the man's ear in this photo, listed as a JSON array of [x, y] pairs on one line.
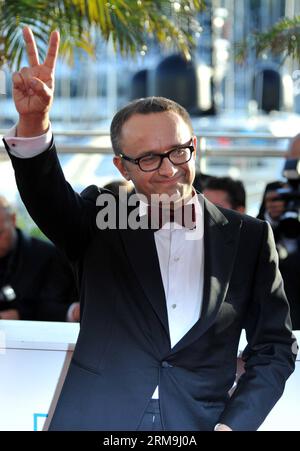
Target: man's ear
[[120, 166], [195, 145]]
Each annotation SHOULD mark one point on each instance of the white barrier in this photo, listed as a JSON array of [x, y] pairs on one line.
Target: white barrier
[[35, 356]]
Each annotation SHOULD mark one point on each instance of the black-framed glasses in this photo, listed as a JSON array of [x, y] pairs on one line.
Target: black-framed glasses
[[152, 161]]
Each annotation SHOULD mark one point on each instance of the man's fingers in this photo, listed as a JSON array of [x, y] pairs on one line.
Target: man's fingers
[[18, 81], [31, 48], [32, 52], [25, 74], [40, 89], [10, 314], [52, 50]]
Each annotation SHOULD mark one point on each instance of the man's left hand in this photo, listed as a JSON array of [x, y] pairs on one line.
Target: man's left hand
[[10, 314]]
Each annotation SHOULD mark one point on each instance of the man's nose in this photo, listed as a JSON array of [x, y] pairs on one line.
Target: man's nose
[[167, 168]]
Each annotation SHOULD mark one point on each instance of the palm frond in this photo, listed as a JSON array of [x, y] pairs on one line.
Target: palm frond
[[129, 23], [282, 39]]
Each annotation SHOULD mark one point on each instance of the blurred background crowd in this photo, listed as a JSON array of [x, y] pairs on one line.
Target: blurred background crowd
[[239, 81]]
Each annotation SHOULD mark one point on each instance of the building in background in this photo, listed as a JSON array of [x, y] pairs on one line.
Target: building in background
[[221, 94], [91, 91]]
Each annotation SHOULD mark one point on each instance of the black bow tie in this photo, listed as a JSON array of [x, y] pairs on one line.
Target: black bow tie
[[184, 216]]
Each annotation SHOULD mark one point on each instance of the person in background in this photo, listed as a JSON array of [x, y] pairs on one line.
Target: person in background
[[226, 192], [271, 207], [287, 241], [114, 186], [35, 282], [163, 306]]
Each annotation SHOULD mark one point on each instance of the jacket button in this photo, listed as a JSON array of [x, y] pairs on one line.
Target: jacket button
[[166, 364]]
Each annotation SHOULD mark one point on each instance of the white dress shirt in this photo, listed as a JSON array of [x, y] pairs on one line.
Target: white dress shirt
[[181, 259], [27, 147], [180, 252]]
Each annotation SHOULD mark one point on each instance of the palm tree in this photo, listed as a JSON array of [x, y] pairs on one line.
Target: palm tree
[[128, 23], [281, 39]]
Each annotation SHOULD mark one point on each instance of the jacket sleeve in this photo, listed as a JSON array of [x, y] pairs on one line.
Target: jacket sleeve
[[271, 351], [67, 218], [59, 290]]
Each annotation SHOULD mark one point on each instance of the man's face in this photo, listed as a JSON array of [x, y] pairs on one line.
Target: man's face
[[7, 232], [217, 197], [274, 206], [157, 133]]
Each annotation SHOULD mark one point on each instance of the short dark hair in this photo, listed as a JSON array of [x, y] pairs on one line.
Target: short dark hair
[[234, 188], [143, 106]]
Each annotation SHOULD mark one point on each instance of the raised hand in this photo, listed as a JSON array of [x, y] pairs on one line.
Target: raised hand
[[33, 86]]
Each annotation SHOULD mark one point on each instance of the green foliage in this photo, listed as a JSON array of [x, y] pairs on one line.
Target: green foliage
[[282, 39], [128, 23]]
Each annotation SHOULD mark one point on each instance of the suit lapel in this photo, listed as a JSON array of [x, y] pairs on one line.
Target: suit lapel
[[220, 245], [141, 251]]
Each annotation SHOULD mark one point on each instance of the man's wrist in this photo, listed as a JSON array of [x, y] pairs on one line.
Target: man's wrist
[[31, 125]]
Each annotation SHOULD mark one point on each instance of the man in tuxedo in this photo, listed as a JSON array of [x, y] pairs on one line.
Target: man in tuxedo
[[36, 283], [271, 208], [287, 238], [162, 307]]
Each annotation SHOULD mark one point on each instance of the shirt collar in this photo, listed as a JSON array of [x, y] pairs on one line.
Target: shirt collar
[[196, 199]]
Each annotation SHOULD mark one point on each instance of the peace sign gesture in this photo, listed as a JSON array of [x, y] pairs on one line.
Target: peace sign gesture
[[33, 86]]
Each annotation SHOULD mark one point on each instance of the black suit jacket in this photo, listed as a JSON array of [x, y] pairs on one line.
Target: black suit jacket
[[123, 350], [42, 281], [290, 270]]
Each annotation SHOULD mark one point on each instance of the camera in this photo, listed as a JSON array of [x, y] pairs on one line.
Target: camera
[[289, 221], [7, 296]]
